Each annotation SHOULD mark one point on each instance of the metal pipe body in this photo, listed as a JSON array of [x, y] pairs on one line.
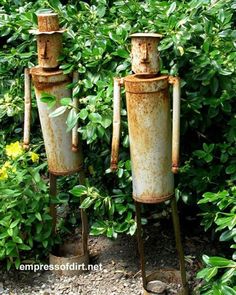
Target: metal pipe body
[[149, 124], [61, 159]]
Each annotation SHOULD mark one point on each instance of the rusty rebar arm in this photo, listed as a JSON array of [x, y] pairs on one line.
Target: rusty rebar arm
[[75, 136], [84, 217], [175, 123], [27, 111], [116, 123]]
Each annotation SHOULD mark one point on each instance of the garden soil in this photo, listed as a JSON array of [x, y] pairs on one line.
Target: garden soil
[[120, 271]]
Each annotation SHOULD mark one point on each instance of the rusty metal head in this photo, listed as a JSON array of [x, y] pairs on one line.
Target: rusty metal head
[[144, 53], [49, 40]]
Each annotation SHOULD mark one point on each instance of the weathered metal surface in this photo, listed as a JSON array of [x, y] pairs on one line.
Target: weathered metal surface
[[144, 54], [175, 123], [116, 124], [49, 40], [48, 22], [61, 159], [27, 110], [69, 254], [49, 50], [149, 124]]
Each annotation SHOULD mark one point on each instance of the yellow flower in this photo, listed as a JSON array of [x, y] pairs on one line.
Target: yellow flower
[[14, 150], [3, 173], [34, 157], [7, 164]]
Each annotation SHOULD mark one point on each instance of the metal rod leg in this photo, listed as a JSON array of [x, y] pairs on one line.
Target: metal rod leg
[[53, 193], [140, 243], [84, 217], [179, 245]]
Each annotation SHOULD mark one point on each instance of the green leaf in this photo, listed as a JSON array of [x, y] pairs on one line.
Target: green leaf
[[106, 121], [228, 275], [10, 232], [121, 53], [231, 169], [83, 114], [200, 154], [228, 235], [47, 98], [95, 117], [228, 290], [59, 111], [66, 101], [220, 262], [4, 235], [24, 247], [207, 273], [214, 85], [14, 223], [132, 229], [78, 190], [17, 263], [17, 240], [87, 203], [38, 216], [171, 9], [71, 119], [45, 243]]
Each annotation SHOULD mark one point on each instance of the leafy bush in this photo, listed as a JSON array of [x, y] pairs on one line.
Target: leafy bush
[[220, 213], [198, 45], [25, 222], [226, 271]]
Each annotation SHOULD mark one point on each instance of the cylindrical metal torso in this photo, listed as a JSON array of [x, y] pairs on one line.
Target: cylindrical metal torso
[[61, 159], [149, 125]]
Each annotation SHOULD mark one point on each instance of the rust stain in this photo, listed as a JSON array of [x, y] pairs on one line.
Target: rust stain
[[149, 123], [144, 54], [48, 22], [43, 79], [49, 50], [153, 198], [61, 159]]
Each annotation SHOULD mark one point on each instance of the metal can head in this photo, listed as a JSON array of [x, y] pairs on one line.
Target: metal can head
[[144, 53], [49, 40]]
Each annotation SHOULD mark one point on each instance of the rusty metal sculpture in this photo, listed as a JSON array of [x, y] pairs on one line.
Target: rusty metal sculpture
[[154, 151], [63, 149]]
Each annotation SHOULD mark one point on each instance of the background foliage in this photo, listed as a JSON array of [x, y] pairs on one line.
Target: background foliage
[[198, 45]]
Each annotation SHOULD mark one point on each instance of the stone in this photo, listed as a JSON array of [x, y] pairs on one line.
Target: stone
[[157, 287]]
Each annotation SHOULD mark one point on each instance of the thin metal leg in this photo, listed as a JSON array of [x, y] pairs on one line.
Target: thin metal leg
[[179, 245], [84, 217], [140, 243], [53, 193]]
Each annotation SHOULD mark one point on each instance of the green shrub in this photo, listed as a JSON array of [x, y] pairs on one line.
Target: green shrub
[[220, 214], [25, 222], [198, 45]]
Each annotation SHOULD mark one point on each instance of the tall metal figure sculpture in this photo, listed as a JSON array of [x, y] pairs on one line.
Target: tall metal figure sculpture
[[154, 147], [63, 149]]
